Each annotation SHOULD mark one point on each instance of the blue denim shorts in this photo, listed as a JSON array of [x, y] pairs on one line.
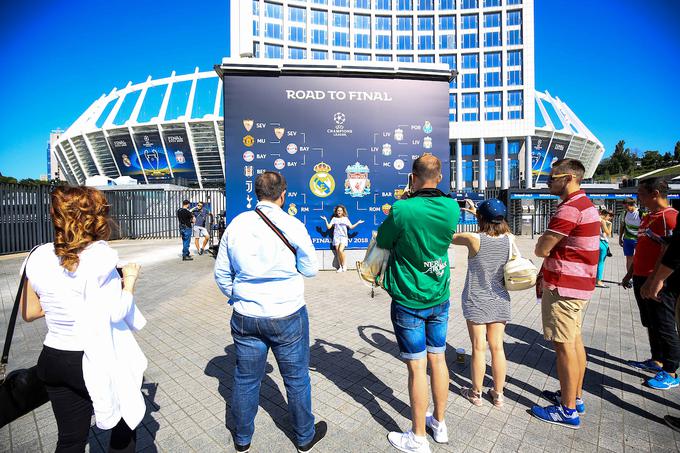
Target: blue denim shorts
[[420, 331], [629, 247]]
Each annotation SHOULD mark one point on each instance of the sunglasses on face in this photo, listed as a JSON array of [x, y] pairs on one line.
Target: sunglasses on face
[[558, 176]]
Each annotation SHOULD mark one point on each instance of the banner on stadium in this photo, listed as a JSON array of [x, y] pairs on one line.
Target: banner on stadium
[[152, 157], [179, 154], [338, 141], [124, 153], [546, 152]]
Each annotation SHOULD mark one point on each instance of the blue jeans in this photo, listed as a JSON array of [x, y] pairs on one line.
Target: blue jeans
[[420, 331], [288, 338], [185, 232]]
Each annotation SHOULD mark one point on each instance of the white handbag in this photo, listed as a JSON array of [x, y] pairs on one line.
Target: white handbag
[[372, 268], [520, 273]]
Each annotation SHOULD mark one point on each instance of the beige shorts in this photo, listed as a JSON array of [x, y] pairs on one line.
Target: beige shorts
[[562, 316]]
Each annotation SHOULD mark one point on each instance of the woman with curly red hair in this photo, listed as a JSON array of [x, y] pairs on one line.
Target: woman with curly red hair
[[90, 361]]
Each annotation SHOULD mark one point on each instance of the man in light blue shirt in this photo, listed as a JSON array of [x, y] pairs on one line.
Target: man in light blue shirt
[[263, 280]]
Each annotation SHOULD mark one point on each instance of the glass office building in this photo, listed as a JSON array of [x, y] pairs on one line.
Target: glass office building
[[495, 113]]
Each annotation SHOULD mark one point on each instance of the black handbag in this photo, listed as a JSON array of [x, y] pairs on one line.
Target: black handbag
[[21, 391]]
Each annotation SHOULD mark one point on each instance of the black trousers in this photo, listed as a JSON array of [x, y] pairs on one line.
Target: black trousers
[[659, 319], [62, 373]]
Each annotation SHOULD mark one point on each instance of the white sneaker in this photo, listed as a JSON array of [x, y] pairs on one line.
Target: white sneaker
[[440, 433], [339, 269], [408, 442]]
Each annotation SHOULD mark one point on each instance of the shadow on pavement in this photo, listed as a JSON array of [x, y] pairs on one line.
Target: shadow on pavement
[[338, 364], [222, 368]]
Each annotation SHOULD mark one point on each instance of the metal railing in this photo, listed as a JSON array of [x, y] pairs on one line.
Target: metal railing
[[137, 213]]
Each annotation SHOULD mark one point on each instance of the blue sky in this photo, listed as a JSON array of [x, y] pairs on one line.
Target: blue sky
[[616, 65]]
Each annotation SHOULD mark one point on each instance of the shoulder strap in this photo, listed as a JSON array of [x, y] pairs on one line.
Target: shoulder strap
[[13, 321], [276, 230], [511, 239]]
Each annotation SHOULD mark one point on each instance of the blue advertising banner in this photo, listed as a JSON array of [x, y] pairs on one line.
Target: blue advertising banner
[[338, 141], [543, 156], [152, 156], [179, 154], [124, 153]]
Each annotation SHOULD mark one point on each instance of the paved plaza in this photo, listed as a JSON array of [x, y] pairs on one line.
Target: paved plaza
[[358, 383]]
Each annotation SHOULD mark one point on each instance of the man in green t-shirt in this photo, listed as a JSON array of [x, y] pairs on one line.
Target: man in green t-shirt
[[628, 233], [418, 231]]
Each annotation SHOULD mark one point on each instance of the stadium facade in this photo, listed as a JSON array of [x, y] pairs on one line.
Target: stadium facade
[[495, 113]]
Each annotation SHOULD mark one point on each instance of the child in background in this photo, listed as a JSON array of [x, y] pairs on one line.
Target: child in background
[[606, 217], [340, 223]]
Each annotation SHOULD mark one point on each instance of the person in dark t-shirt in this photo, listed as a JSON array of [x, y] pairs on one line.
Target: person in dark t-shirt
[[186, 220], [202, 219]]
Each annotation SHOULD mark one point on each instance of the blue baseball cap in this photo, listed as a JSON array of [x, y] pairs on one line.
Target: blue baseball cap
[[492, 210]]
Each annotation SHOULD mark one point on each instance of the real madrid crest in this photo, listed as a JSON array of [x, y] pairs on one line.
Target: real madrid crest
[[322, 183], [357, 183], [292, 209]]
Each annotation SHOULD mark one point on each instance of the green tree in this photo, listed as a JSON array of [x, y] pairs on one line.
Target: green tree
[[676, 152], [652, 160]]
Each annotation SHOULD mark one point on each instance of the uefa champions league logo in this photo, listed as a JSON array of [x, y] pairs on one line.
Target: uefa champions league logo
[[339, 118]]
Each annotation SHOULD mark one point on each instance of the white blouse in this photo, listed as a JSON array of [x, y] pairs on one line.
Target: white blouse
[[86, 310]]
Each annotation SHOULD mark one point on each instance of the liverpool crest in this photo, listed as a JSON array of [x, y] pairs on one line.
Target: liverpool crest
[[357, 183]]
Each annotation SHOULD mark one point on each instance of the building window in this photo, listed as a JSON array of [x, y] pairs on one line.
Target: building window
[[383, 42], [452, 100], [295, 53], [256, 50], [514, 17], [490, 3], [383, 23], [425, 42], [492, 60], [470, 116], [426, 58], [320, 2], [273, 31], [362, 41], [319, 37], [365, 4], [384, 4], [404, 5], [297, 34], [344, 3], [514, 37], [256, 7], [447, 41], [319, 17], [405, 58], [515, 115], [362, 57], [470, 41], [452, 117], [514, 58], [470, 61], [449, 60], [447, 4], [493, 116], [425, 23], [319, 55], [340, 39], [470, 80], [469, 22], [515, 98], [404, 23], [362, 22], [492, 79], [340, 55], [469, 4], [273, 10], [273, 51], [492, 39], [256, 28], [447, 22], [470, 100], [492, 20], [341, 20], [492, 99], [514, 78], [404, 43], [297, 14], [514, 2], [383, 58]]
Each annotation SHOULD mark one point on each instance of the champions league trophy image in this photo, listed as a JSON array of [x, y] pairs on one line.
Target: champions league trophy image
[[151, 156]]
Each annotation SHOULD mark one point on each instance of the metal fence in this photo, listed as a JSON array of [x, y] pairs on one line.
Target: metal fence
[[138, 213]]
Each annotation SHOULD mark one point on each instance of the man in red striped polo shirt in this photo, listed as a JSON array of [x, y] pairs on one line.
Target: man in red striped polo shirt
[[570, 247]]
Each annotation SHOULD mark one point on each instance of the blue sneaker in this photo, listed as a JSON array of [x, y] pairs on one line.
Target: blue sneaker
[[557, 416], [556, 398], [647, 365], [663, 381]]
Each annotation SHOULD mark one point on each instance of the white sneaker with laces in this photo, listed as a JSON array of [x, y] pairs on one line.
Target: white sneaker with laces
[[339, 269], [440, 433], [408, 442]]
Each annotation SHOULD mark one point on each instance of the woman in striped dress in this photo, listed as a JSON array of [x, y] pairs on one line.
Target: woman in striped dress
[[486, 302]]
